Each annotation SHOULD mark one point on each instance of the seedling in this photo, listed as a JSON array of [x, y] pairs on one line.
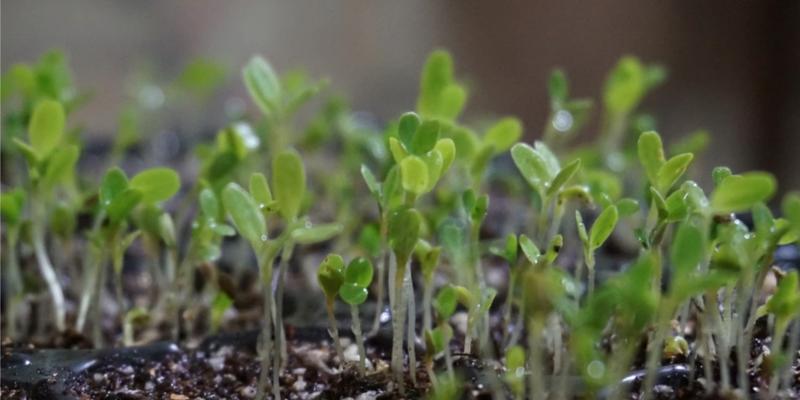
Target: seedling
[[330, 276], [354, 291], [598, 234], [47, 169]]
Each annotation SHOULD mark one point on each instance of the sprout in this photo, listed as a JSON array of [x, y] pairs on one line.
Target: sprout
[[354, 290], [330, 276], [515, 370], [785, 306]]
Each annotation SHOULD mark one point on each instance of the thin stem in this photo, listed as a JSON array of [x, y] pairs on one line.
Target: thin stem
[[411, 333], [97, 315], [265, 352], [778, 337], [536, 378], [14, 280], [427, 299], [657, 348], [794, 343], [50, 277], [280, 334], [334, 330], [362, 354], [382, 267], [398, 321]]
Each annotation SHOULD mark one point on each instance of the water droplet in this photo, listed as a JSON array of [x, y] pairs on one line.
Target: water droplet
[[562, 121], [263, 238], [596, 369]]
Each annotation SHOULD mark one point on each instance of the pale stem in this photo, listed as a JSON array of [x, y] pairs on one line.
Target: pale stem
[[536, 378], [427, 296], [398, 321], [362, 354], [334, 330], [412, 319], [51, 279]]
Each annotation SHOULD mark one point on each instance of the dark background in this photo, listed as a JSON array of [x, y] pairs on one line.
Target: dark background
[[734, 67]]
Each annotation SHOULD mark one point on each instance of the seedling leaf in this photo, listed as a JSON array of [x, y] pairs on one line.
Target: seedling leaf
[[244, 212], [740, 192], [156, 184], [603, 227], [289, 180], [46, 126]]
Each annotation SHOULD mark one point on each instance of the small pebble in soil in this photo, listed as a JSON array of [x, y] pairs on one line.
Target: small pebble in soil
[[248, 392]]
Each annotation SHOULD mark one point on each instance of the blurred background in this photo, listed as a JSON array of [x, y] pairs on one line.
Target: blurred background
[[734, 67]]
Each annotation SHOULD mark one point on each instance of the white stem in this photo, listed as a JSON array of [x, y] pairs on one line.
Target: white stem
[[50, 277], [362, 354], [412, 320]]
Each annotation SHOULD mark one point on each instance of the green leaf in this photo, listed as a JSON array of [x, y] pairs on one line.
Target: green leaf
[[61, 166], [452, 100], [359, 272], [289, 180], [791, 211], [625, 86], [259, 189], [603, 227], [166, 229], [530, 250], [627, 207], [407, 127], [372, 183], [686, 251], [244, 212], [437, 74], [651, 154], [316, 233], [353, 294], [563, 176], [557, 86], [445, 302], [531, 165], [582, 234], [503, 134], [738, 193], [221, 303], [209, 203], [122, 205], [414, 175], [425, 137], [330, 275], [46, 126], [263, 85], [11, 205], [156, 184], [671, 170], [433, 164], [447, 148], [397, 149], [404, 227], [719, 174], [114, 182]]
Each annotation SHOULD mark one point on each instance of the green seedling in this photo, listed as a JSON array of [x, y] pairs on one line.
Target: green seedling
[[118, 199], [249, 222], [330, 277], [136, 317], [602, 228], [428, 257], [354, 291], [515, 370], [47, 171], [404, 229], [221, 303], [445, 305], [624, 89], [784, 305], [12, 205]]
